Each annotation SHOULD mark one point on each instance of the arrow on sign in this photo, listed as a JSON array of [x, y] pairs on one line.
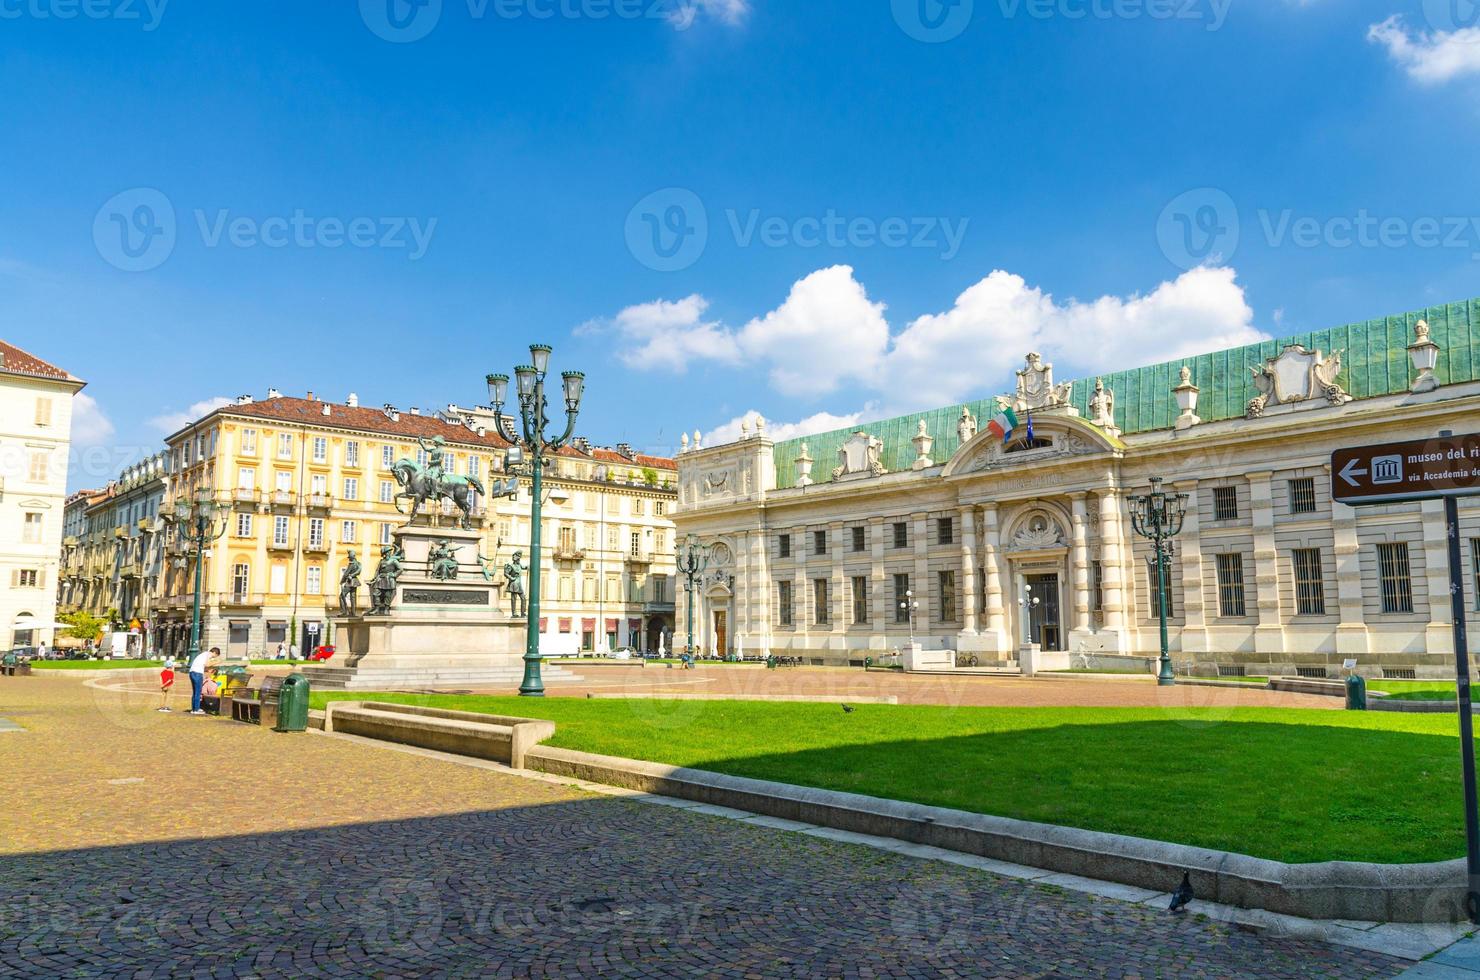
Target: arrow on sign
[[1349, 474]]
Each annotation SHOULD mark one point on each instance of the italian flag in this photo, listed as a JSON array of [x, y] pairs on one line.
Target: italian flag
[[1003, 423]]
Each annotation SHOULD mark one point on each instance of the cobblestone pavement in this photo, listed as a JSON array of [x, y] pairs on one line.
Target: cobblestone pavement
[[958, 689], [145, 845]]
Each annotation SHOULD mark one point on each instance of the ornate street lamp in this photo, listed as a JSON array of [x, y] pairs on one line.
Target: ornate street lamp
[[530, 439], [201, 520], [909, 607], [1029, 602], [1157, 517], [691, 562]]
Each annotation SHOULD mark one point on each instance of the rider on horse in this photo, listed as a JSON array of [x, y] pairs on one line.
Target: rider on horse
[[436, 451]]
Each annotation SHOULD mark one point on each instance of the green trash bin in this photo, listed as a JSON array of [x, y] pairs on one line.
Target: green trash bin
[[1356, 693], [293, 705]]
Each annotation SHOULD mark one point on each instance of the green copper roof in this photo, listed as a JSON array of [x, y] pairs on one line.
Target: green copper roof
[[1375, 362]]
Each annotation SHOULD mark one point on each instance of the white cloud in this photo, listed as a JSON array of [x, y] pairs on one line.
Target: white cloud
[[685, 12], [1430, 57], [171, 422], [90, 424], [781, 431], [669, 335], [826, 332]]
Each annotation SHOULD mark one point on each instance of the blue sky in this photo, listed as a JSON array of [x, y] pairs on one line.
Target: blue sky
[[815, 210]]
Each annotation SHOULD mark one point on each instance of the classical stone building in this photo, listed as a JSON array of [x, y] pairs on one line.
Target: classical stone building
[[820, 547], [35, 435], [306, 481]]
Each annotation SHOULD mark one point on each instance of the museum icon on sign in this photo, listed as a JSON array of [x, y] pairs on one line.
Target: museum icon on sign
[[1387, 469]]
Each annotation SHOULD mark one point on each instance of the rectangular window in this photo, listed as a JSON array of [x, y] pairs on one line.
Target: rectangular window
[[280, 532], [945, 530], [784, 544], [349, 532], [902, 597], [1225, 503], [1310, 591], [660, 507], [860, 600], [351, 454], [1303, 495], [320, 449], [475, 466], [249, 442], [351, 488], [316, 532], [284, 481], [319, 484], [38, 468], [43, 412], [285, 445], [819, 601], [1155, 593], [1396, 576], [1097, 579], [946, 581], [246, 478], [386, 531], [241, 580], [901, 535], [244, 525], [387, 457], [31, 529], [1231, 585], [277, 580], [28, 578], [387, 491], [315, 580], [860, 539], [819, 542], [636, 543], [784, 610]]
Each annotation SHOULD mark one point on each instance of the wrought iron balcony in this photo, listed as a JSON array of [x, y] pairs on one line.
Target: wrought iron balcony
[[320, 501], [284, 498]]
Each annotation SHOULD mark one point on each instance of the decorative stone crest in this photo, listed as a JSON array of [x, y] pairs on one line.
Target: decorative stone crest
[[720, 555], [717, 482], [1036, 391], [859, 457], [1298, 375], [1041, 532], [966, 426], [1102, 408], [923, 444]]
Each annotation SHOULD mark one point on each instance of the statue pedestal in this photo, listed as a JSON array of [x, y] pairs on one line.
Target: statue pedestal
[[440, 633]]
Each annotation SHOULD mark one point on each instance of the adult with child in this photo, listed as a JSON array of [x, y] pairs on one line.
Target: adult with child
[[198, 668]]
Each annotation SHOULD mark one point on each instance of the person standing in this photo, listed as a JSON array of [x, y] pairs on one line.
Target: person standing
[[166, 682], [41, 651], [198, 668]]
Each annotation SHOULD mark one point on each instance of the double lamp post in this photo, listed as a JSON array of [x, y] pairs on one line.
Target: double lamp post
[[530, 447], [200, 520], [1157, 516]]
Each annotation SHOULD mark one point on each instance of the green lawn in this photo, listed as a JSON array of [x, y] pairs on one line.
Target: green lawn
[[92, 664], [1289, 784], [1416, 690]]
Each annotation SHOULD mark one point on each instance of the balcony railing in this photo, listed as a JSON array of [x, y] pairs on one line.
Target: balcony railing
[[242, 600], [565, 552], [276, 545], [317, 547], [242, 495], [284, 498], [657, 606], [638, 558], [320, 501]]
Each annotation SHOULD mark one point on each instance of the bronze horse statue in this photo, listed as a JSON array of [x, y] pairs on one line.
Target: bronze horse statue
[[419, 487]]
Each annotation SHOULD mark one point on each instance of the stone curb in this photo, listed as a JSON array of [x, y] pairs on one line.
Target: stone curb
[[1330, 890]]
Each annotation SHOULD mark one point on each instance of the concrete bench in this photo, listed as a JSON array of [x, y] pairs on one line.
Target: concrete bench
[[498, 738]]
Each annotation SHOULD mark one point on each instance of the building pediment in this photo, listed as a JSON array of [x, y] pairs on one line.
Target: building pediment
[[1054, 438]]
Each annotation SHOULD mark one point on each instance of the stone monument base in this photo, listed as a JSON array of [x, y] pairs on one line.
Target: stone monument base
[[440, 633]]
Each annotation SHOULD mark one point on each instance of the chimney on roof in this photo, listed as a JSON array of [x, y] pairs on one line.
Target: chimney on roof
[[415, 410], [328, 411], [583, 444], [353, 401], [244, 399], [274, 393], [625, 449], [311, 397]]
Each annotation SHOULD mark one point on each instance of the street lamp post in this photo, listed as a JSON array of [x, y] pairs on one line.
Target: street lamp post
[[202, 520], [530, 438], [692, 562], [1157, 517], [909, 606], [1029, 602]]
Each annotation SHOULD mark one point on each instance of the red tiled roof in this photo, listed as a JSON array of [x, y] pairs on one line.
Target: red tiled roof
[[374, 420], [13, 360]]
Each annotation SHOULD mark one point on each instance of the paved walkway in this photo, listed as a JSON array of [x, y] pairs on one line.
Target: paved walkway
[[138, 844]]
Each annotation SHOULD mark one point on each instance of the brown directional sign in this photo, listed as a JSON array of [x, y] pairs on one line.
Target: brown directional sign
[[1447, 466]]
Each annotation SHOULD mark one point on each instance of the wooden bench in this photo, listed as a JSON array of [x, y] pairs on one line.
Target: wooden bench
[[256, 704]]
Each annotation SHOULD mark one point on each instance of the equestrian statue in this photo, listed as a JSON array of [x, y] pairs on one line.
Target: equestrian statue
[[422, 484]]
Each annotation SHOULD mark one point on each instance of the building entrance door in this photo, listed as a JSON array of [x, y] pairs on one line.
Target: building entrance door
[[1044, 626], [721, 634]]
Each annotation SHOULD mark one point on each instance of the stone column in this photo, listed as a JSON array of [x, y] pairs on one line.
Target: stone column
[[1112, 564], [1439, 628], [968, 571], [881, 601], [1269, 635], [1079, 561], [920, 578], [1351, 631], [995, 634], [837, 595], [1190, 564]]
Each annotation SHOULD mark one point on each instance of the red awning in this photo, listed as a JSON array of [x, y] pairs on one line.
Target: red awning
[[544, 624], [565, 624], [588, 624], [611, 625]]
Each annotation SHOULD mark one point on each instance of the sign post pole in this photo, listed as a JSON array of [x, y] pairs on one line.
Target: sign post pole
[[1466, 725], [1445, 468]]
